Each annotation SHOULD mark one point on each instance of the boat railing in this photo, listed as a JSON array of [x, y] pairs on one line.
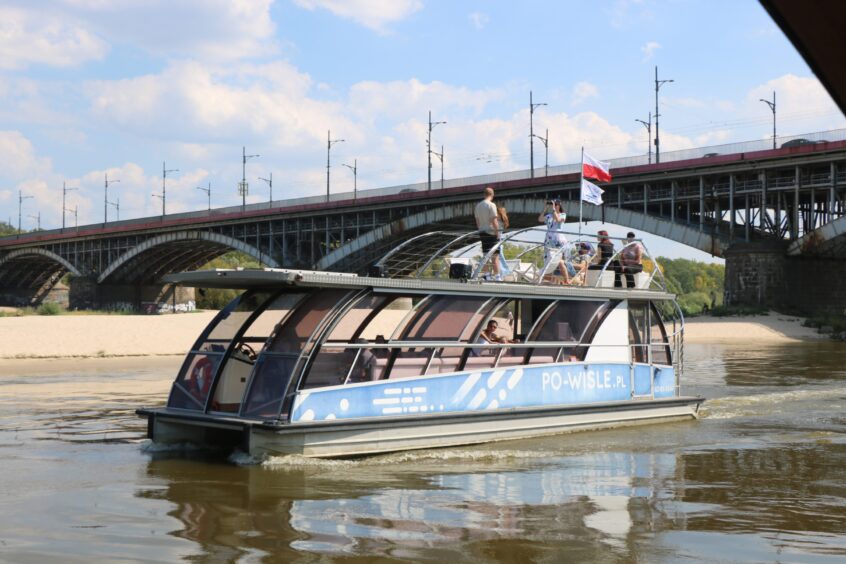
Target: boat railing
[[533, 255]]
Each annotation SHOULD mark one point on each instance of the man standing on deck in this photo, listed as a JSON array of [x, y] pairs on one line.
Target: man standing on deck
[[488, 225]]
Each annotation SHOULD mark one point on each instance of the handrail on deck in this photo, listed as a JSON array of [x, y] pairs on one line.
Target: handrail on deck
[[416, 258]]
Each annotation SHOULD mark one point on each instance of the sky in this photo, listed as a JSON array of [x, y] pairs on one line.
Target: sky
[[118, 87]]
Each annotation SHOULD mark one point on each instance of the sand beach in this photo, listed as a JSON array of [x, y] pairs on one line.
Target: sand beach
[[125, 336]]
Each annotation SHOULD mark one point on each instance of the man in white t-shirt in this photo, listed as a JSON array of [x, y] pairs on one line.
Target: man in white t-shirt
[[488, 225]]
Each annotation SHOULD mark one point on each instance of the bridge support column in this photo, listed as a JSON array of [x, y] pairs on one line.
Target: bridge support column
[[147, 298], [761, 274]]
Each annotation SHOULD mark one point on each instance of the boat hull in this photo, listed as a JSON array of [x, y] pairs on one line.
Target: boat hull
[[327, 439]]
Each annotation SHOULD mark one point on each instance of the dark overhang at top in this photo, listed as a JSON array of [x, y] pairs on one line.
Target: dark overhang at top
[[816, 29]]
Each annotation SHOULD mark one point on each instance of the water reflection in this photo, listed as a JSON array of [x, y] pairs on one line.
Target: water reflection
[[432, 504]]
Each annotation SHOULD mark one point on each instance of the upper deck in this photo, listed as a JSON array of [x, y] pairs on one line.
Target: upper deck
[[425, 265]]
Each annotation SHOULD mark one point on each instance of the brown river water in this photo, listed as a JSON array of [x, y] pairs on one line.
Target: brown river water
[[760, 477]]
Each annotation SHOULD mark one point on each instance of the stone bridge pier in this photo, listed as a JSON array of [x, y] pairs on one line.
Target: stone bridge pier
[[764, 274], [85, 293]]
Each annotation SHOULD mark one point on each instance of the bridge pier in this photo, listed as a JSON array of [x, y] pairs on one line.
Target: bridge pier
[[762, 274], [50, 292], [147, 298]]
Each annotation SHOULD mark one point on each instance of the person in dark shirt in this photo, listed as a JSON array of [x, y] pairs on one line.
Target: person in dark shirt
[[604, 256]]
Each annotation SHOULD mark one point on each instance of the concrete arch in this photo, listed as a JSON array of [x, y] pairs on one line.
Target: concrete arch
[[43, 252], [182, 237], [527, 209], [828, 240]]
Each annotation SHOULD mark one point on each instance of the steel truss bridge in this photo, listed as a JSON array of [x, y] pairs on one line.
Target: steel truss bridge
[[710, 198]]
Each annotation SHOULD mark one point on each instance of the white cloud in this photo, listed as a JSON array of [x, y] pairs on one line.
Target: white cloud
[[479, 20], [649, 49], [626, 13], [190, 101], [401, 99], [582, 92], [18, 159], [374, 14], [66, 32], [802, 105], [39, 37]]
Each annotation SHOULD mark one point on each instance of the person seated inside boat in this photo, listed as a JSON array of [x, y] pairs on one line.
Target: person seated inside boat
[[380, 350], [365, 369], [489, 334]]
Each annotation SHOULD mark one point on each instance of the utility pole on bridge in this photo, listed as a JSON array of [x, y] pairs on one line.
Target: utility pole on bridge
[[269, 181], [772, 106], [354, 169], [545, 141], [37, 218], [163, 197], [648, 126], [208, 193], [65, 191], [243, 186], [329, 143], [658, 85], [106, 199], [532, 133], [429, 149], [21, 198]]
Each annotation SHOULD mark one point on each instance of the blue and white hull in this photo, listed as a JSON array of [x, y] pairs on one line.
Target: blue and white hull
[[457, 409]]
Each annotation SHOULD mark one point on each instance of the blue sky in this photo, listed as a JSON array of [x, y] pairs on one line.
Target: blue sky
[[95, 86]]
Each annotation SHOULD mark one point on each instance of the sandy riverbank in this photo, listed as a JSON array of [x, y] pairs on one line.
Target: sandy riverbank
[[772, 329], [127, 336], [68, 336]]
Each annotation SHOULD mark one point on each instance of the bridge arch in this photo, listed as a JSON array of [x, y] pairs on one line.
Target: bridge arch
[[175, 252], [31, 268], [357, 254], [828, 240]]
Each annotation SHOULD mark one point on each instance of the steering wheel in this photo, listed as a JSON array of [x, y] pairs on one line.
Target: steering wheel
[[247, 351]]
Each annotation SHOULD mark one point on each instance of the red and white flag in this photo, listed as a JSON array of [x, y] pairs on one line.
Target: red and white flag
[[593, 168]]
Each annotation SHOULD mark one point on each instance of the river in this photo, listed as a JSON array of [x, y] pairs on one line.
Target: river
[[760, 477]]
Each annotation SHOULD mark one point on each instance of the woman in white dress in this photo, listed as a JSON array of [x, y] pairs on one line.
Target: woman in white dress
[[555, 243]]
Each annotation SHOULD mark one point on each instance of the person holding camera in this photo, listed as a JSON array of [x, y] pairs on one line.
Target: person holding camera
[[555, 241]]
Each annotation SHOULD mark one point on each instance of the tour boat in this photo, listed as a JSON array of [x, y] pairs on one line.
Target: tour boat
[[329, 364]]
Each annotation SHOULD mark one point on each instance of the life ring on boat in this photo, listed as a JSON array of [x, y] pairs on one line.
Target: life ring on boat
[[201, 376]]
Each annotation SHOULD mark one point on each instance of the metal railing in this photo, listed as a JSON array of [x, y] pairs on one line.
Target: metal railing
[[431, 255]]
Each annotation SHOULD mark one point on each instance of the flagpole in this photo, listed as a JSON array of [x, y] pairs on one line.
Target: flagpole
[[581, 196]]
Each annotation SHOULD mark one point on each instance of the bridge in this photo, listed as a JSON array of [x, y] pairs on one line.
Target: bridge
[[775, 215]]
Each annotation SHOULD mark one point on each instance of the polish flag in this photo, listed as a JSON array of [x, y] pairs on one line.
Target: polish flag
[[592, 168]]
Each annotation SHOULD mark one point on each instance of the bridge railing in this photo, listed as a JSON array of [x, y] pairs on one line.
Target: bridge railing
[[292, 203]]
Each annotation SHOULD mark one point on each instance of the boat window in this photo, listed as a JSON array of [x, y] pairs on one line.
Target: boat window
[[565, 322], [639, 330], [511, 323], [443, 318], [192, 385], [333, 362], [276, 364], [448, 359], [390, 319], [659, 341], [230, 385]]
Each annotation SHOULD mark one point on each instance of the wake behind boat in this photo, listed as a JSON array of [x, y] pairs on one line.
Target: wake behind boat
[[425, 353]]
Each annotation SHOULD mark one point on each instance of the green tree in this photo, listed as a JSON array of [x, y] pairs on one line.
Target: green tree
[[693, 282], [217, 298], [6, 229]]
